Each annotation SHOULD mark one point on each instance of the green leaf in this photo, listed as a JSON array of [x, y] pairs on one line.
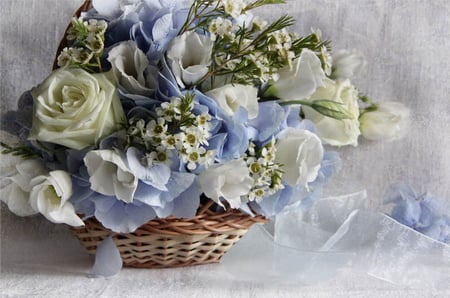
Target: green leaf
[[331, 109]]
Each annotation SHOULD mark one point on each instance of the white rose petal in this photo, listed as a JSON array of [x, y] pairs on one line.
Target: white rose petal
[[110, 175], [75, 109], [189, 56], [332, 131], [229, 181], [132, 70], [389, 122], [301, 80], [232, 96], [50, 195], [300, 152]]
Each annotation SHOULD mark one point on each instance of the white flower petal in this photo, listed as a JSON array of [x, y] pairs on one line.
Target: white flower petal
[[110, 175], [300, 152]]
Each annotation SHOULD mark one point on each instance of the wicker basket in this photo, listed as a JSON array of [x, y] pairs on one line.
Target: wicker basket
[[171, 242], [174, 242]]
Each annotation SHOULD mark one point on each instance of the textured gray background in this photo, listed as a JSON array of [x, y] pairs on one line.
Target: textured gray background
[[406, 43]]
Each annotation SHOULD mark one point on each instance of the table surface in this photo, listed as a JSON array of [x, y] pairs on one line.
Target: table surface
[[406, 44]]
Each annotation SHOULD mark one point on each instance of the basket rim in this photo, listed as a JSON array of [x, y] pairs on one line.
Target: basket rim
[[206, 221]]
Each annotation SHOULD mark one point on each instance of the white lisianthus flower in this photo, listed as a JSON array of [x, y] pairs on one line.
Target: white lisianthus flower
[[300, 152], [229, 181], [232, 96], [50, 197], [110, 175], [389, 122], [75, 109], [346, 64], [189, 56], [332, 131], [299, 81], [132, 70], [17, 193]]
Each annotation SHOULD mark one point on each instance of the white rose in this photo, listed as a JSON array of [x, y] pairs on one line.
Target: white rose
[[75, 109], [132, 69], [299, 81], [110, 175], [300, 152], [388, 122], [232, 96], [189, 56], [50, 195], [332, 131], [17, 193], [347, 63], [229, 181]]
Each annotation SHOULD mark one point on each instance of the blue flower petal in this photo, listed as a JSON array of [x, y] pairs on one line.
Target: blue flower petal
[[121, 217], [107, 259]]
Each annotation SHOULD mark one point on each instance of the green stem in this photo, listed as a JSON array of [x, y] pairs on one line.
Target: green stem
[[293, 102]]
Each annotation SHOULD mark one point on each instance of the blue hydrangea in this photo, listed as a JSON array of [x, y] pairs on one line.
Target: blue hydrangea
[[424, 213]]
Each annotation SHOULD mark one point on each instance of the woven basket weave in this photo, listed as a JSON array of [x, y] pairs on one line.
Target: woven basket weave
[[171, 242]]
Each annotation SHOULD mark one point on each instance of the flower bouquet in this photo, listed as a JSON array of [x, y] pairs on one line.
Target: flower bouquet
[[173, 126]]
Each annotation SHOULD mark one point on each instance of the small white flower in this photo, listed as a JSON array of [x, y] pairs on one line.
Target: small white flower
[[81, 55], [97, 27], [259, 23], [389, 122], [172, 141], [65, 58], [194, 156], [156, 128], [95, 43], [203, 121], [221, 27], [233, 7], [50, 196]]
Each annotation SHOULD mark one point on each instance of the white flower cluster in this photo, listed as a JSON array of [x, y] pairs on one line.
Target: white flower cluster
[[233, 7], [223, 28], [281, 42], [176, 129], [88, 40], [266, 173]]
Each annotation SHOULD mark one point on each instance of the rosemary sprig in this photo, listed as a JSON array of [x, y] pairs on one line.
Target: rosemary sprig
[[24, 152]]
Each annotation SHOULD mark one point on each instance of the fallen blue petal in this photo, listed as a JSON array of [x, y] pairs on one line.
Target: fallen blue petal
[[107, 260]]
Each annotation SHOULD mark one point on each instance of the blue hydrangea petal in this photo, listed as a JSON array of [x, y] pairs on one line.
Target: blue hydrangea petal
[[156, 175], [122, 217], [107, 259]]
